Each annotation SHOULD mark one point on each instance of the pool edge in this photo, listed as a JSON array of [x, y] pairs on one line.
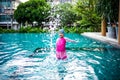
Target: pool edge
[[97, 36]]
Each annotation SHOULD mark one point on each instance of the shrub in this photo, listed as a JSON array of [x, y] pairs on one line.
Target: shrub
[[32, 30], [1, 30], [24, 29]]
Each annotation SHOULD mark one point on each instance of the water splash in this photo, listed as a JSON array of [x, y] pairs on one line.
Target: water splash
[[53, 25], [52, 34]]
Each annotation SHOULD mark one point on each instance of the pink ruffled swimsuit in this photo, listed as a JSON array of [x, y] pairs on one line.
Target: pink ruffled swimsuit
[[60, 48]]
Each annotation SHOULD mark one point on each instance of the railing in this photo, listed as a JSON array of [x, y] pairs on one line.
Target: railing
[[2, 23]]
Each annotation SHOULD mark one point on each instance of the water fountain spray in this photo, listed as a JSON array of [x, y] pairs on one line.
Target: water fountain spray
[[53, 24]]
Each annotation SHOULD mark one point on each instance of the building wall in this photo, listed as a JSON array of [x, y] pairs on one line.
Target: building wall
[[62, 1], [7, 8]]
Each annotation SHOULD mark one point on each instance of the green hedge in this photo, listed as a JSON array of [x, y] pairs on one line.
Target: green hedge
[[24, 30], [40, 30], [31, 30], [79, 29], [7, 30]]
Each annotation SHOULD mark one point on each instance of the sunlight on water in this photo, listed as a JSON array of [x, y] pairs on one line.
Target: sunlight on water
[[87, 60]]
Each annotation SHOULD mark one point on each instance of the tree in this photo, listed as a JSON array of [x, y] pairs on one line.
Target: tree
[[32, 10], [86, 9], [108, 10], [67, 14], [19, 14]]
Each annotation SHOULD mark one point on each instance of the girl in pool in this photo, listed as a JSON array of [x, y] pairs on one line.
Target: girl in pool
[[60, 45]]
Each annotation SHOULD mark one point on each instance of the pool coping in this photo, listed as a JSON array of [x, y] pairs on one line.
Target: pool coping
[[104, 39]]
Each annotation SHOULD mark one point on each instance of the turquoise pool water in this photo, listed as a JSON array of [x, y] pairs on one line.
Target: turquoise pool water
[[87, 60]]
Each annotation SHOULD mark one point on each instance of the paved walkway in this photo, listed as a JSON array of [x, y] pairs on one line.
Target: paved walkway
[[97, 36]]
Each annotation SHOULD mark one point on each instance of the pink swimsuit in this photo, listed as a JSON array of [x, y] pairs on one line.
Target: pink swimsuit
[[60, 48]]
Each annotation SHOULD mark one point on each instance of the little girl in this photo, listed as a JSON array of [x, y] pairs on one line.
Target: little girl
[[60, 45]]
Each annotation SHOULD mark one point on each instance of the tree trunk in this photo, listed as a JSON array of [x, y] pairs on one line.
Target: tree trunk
[[103, 27], [119, 25]]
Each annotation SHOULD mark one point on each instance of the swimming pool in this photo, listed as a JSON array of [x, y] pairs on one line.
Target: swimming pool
[[87, 60]]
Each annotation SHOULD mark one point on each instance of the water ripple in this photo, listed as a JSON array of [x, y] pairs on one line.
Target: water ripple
[[88, 60]]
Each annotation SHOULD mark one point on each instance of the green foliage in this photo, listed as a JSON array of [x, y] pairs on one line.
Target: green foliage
[[19, 13], [8, 31], [89, 19], [1, 30], [28, 29], [67, 14], [32, 10], [24, 30], [31, 30], [108, 9], [78, 30]]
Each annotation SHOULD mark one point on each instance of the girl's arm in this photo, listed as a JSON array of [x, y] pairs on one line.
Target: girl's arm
[[70, 40]]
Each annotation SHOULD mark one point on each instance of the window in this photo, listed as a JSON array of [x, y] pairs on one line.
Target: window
[[1, 10], [4, 18], [5, 3]]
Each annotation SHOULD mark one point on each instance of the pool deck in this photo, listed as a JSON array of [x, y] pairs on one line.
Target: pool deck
[[99, 37]]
